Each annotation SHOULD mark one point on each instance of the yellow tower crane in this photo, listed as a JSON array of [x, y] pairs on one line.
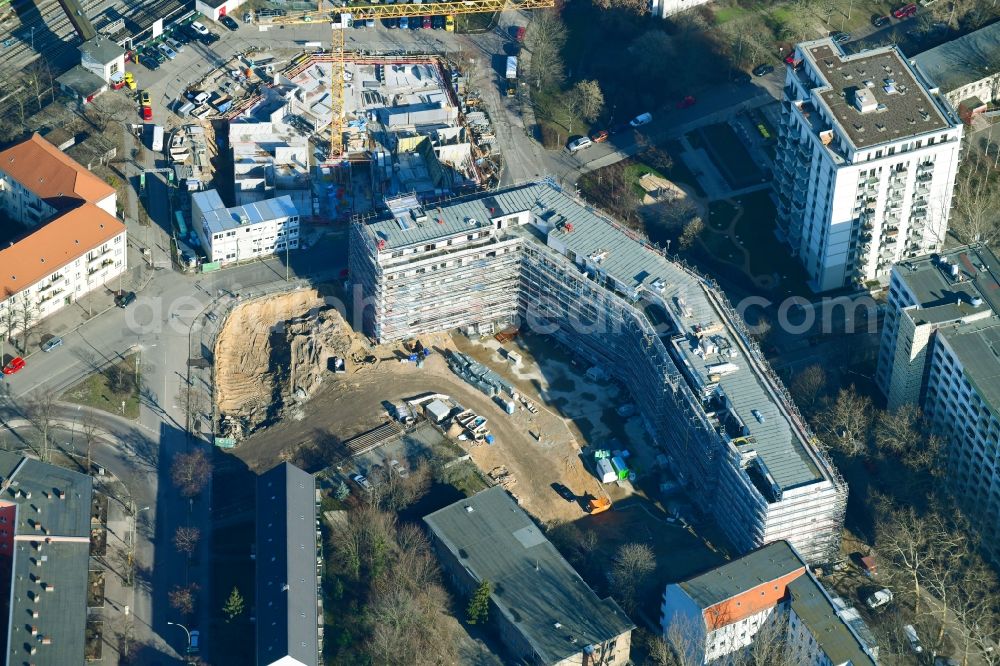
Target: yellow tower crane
[[375, 12]]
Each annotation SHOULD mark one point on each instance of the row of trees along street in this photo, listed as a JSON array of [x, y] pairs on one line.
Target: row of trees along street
[[927, 551]]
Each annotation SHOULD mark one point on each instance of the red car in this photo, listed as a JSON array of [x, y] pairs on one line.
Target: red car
[[147, 113], [687, 102], [600, 136], [15, 365], [427, 23], [906, 11]]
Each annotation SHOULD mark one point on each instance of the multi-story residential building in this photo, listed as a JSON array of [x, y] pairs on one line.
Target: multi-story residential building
[[535, 255], [965, 67], [544, 612], [44, 561], [74, 245], [866, 163], [767, 595], [940, 350], [289, 613], [259, 229]]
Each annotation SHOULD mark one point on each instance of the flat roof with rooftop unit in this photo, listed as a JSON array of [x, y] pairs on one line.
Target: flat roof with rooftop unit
[[875, 96]]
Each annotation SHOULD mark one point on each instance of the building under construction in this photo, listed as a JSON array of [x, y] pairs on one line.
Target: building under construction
[[535, 256]]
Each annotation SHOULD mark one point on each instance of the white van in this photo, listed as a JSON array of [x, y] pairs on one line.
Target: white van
[[641, 119], [911, 635]]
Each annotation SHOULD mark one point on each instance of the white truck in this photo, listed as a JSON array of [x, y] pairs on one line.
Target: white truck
[[511, 75], [156, 138]]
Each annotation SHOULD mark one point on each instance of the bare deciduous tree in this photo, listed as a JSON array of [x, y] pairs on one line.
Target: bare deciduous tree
[[845, 422], [807, 387], [640, 7], [186, 539], [40, 411], [590, 99], [632, 565], [191, 472], [545, 38], [976, 213], [692, 230], [182, 598]]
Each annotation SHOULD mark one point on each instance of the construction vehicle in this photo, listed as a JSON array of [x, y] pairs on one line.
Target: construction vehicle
[[327, 13]]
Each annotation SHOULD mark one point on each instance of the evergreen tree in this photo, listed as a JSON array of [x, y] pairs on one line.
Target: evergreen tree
[[234, 605], [479, 605]]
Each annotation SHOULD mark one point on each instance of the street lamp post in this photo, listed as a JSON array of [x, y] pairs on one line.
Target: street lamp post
[[186, 632]]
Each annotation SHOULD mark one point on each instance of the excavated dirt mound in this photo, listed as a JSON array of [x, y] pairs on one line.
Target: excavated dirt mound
[[272, 350]]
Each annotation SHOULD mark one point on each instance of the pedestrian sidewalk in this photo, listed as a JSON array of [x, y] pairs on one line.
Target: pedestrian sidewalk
[[120, 573]]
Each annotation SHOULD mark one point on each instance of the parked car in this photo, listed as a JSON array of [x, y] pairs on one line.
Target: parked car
[[449, 23], [155, 54], [147, 113], [179, 38], [427, 23], [229, 22], [195, 642], [149, 63], [362, 481], [579, 144], [906, 11], [166, 50], [404, 23], [564, 492], [600, 136], [124, 299], [841, 37], [144, 98], [763, 70], [911, 636], [199, 27], [210, 38], [51, 344], [174, 44], [686, 103], [879, 599], [370, 23], [395, 466], [757, 415], [438, 22], [14, 366], [641, 119], [390, 23], [880, 21]]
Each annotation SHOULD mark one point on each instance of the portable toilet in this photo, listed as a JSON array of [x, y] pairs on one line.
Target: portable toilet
[[605, 473], [620, 468]]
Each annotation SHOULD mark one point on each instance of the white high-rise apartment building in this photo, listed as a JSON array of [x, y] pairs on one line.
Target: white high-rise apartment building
[[866, 163], [941, 350]]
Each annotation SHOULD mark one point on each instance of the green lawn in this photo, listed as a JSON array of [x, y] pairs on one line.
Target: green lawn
[[727, 14], [107, 389]]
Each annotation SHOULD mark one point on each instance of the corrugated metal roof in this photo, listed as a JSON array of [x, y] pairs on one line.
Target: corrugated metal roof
[[534, 587], [223, 219]]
